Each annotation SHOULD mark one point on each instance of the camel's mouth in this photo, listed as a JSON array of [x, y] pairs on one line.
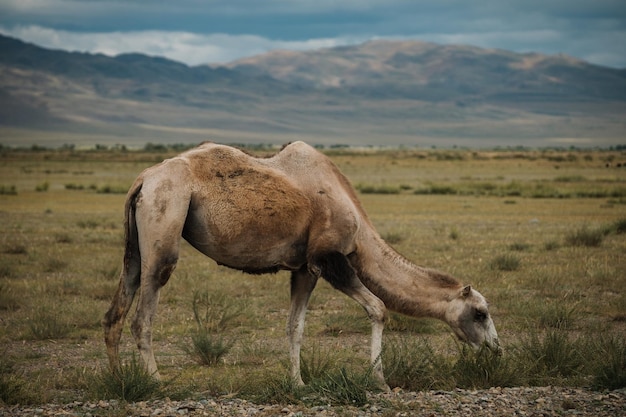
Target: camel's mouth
[[495, 347]]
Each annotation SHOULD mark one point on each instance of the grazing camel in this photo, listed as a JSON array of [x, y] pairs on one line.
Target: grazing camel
[[293, 211]]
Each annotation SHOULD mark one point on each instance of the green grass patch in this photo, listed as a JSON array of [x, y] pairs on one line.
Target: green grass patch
[[13, 389], [610, 371], [585, 236], [412, 364], [8, 190], [208, 348], [49, 323], [484, 369], [505, 262], [131, 383], [379, 189], [551, 358]]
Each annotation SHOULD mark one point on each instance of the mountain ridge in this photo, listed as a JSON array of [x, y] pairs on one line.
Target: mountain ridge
[[379, 92]]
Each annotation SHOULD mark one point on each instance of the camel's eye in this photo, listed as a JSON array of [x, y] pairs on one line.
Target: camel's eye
[[480, 316]]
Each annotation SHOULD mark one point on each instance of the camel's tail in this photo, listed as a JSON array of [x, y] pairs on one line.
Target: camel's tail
[[132, 258]]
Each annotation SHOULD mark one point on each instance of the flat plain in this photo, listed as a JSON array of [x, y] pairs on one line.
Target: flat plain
[[539, 232]]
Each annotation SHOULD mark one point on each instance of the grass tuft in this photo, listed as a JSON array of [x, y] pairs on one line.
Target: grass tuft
[[506, 262], [131, 382], [393, 238], [12, 384], [208, 348], [610, 372], [618, 227], [484, 369], [550, 358], [413, 365], [343, 387], [519, 247], [49, 324], [8, 190], [584, 236], [214, 312], [381, 189], [316, 364], [16, 249]]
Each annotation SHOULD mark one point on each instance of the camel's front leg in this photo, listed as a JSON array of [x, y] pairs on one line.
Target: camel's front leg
[[302, 285], [337, 270]]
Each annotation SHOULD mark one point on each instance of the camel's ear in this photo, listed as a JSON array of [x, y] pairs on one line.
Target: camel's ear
[[466, 291]]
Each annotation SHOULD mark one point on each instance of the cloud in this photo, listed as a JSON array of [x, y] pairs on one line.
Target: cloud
[[200, 31], [189, 48]]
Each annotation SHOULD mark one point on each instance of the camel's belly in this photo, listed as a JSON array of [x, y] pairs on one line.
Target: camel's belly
[[254, 247]]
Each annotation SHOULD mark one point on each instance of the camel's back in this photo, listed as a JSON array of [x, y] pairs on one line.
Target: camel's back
[[297, 163], [310, 168]]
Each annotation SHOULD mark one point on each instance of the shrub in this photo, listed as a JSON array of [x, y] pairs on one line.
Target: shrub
[[208, 348], [214, 312], [16, 249], [73, 186], [8, 300], [338, 388], [43, 187], [506, 262], [519, 247], [316, 364], [275, 390], [610, 371], [130, 382], [47, 324], [618, 227], [112, 189], [88, 224], [551, 245], [8, 190], [393, 238], [557, 315], [343, 388], [381, 189], [551, 357], [437, 190], [11, 384], [413, 365], [484, 369], [55, 265], [63, 238], [585, 237]]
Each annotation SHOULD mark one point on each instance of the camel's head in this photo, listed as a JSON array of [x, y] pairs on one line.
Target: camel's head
[[468, 315]]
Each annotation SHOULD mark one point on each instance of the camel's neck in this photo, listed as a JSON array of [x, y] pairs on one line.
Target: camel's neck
[[403, 286]]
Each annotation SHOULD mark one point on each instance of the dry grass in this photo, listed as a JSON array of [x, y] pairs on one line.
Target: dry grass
[[60, 251]]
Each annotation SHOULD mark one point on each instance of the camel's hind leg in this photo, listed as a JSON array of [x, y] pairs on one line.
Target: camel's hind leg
[[157, 272], [160, 214], [113, 322], [302, 285]]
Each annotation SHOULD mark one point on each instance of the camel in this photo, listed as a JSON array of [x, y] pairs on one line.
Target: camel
[[293, 211]]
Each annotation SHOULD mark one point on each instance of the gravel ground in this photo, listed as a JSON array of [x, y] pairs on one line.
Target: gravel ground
[[520, 401]]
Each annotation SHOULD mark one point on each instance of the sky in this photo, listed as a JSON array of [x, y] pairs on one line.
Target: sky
[[220, 31]]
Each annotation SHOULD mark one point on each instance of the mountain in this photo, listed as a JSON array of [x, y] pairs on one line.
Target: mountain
[[380, 92], [427, 71]]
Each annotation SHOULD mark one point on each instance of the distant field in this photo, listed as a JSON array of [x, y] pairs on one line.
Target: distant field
[[542, 234]]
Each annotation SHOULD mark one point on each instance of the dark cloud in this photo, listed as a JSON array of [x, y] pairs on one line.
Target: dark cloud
[[592, 30]]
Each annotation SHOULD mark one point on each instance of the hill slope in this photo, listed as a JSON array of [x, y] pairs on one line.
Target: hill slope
[[380, 92]]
